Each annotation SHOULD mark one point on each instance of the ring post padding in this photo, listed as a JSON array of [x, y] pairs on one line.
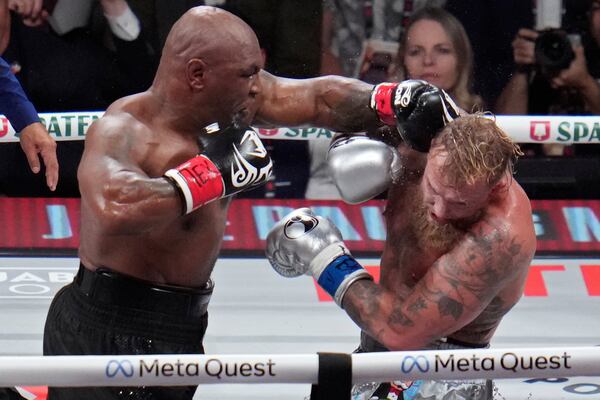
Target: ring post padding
[[335, 377]]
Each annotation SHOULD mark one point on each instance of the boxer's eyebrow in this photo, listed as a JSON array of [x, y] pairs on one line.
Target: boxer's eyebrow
[[251, 70]]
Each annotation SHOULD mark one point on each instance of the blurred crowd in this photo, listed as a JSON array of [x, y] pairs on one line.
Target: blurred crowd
[[502, 56]]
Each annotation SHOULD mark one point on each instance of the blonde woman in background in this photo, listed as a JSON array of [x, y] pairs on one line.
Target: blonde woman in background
[[437, 49]]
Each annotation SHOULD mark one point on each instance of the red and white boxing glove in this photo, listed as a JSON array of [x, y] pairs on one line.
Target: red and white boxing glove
[[418, 109], [234, 159]]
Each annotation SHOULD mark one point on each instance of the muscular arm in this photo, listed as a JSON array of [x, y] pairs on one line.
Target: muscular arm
[[334, 102], [514, 97], [114, 188], [452, 293], [591, 95], [577, 76]]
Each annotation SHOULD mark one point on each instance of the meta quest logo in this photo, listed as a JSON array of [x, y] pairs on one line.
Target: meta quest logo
[[213, 367], [509, 361]]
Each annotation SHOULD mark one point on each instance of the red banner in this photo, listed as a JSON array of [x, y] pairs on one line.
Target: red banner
[[562, 226]]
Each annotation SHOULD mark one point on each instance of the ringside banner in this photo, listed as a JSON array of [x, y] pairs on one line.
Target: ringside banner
[[562, 226], [565, 129]]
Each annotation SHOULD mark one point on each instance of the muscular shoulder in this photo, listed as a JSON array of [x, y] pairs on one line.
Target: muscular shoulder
[[504, 237], [516, 219], [121, 121], [121, 134]]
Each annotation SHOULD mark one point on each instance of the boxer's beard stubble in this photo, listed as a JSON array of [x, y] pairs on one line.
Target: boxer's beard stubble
[[429, 233]]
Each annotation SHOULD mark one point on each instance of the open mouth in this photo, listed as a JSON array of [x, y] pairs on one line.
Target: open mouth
[[430, 77]]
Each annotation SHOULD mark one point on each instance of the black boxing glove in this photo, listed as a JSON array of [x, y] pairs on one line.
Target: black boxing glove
[[391, 98], [418, 109], [234, 159]]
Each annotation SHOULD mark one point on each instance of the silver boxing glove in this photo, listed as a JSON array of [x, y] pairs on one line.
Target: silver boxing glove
[[305, 243], [362, 167]]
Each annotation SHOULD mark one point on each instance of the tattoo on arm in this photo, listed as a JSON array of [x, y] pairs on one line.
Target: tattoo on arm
[[484, 265], [418, 305], [351, 113], [398, 317], [449, 307], [462, 281], [362, 303]]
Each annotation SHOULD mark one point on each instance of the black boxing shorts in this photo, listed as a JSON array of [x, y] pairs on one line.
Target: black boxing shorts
[[10, 394], [104, 313]]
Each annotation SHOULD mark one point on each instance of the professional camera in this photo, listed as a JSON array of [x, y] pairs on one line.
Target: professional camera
[[553, 47], [553, 50]]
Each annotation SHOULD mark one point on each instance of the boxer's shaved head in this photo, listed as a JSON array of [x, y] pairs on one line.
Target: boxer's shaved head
[[208, 33], [209, 67]]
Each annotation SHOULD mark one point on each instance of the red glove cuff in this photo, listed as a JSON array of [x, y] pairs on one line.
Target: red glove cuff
[[199, 182], [381, 102]]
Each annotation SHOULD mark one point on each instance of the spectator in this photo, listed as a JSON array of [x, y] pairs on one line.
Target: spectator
[[434, 48], [571, 89], [59, 42], [350, 23], [347, 28], [101, 48], [34, 137], [14, 104], [491, 25]]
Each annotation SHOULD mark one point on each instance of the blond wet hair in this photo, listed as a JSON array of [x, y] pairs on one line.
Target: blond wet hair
[[476, 149]]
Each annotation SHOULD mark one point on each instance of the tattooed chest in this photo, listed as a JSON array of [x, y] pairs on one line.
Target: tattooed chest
[[404, 261]]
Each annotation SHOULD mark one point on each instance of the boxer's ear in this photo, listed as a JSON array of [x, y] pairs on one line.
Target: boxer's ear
[[500, 186], [196, 73]]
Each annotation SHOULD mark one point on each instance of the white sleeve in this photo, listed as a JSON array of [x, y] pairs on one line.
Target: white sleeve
[[125, 26]]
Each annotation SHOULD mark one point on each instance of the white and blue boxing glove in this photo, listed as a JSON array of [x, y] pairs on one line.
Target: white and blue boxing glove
[[305, 243]]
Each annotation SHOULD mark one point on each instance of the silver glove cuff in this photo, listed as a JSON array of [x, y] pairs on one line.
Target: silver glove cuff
[[325, 257], [348, 281]]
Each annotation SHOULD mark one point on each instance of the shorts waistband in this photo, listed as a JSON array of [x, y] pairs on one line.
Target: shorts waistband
[[465, 344], [110, 287]]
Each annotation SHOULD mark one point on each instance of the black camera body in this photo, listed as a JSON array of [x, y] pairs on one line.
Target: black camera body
[[553, 51]]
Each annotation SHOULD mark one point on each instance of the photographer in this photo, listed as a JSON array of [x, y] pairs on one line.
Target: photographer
[[555, 75]]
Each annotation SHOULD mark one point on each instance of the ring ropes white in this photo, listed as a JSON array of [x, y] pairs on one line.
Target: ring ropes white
[[191, 369], [565, 129]]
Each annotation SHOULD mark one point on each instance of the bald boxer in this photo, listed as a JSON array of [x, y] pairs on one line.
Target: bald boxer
[[156, 180], [460, 239]]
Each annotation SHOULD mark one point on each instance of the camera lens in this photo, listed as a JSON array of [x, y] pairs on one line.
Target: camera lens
[[553, 50]]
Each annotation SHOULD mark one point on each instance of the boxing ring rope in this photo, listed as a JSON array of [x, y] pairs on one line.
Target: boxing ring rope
[[522, 128], [189, 369]]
